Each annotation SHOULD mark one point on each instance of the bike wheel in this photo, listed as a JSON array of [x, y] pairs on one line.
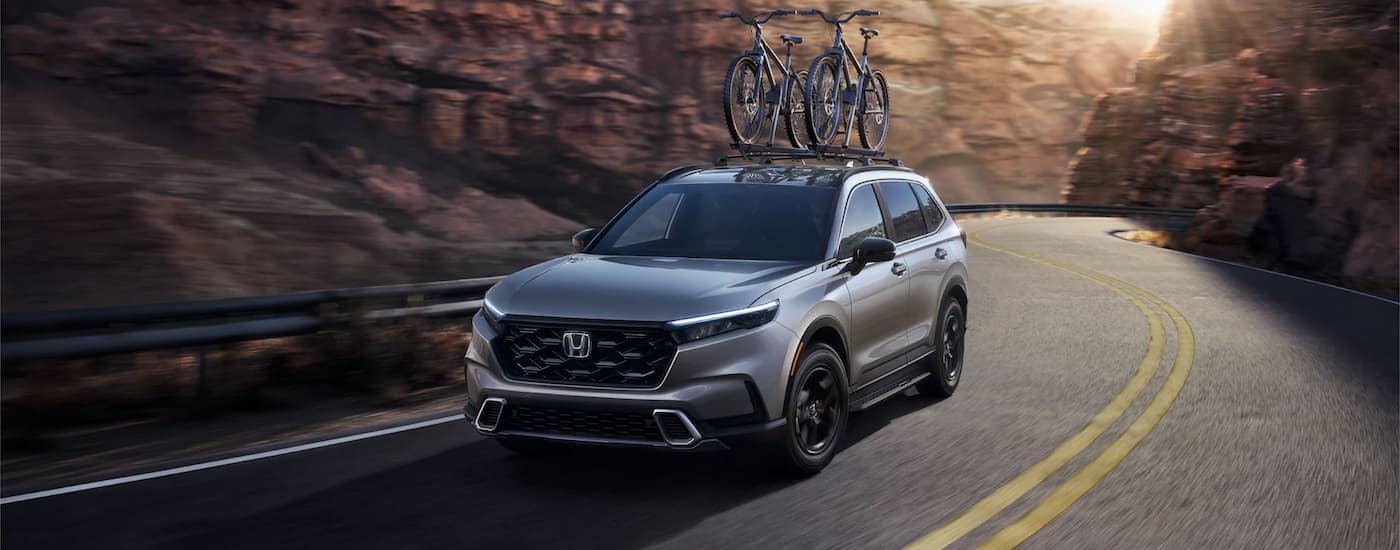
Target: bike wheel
[[875, 112], [823, 99], [744, 89], [797, 111]]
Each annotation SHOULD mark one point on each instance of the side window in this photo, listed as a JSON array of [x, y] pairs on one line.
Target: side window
[[932, 214], [905, 216], [653, 224], [863, 219]]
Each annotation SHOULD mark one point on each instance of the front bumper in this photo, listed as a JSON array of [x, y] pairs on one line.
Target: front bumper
[[726, 389]]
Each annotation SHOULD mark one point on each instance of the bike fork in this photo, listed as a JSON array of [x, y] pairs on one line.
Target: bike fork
[[857, 98], [784, 92]]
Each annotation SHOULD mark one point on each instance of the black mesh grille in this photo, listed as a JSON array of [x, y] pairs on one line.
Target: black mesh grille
[[631, 357], [632, 426]]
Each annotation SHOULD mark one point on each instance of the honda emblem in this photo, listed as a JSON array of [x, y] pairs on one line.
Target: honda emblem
[[577, 345]]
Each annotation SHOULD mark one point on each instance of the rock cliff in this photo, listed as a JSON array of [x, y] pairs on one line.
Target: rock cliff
[[340, 142], [1278, 118]]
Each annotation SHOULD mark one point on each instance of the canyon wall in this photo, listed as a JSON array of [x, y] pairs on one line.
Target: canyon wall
[[1278, 119], [205, 148]]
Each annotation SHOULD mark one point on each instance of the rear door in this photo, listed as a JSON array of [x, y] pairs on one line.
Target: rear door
[[879, 323], [917, 256], [933, 255]]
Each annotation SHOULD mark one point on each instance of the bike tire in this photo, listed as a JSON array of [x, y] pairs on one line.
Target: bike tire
[[796, 115], [875, 122], [824, 99], [743, 114]]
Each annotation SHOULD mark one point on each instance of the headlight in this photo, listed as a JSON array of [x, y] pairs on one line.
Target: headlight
[[492, 314], [705, 326]]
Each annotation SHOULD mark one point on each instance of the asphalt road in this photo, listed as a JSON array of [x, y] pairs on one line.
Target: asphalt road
[[1266, 418]]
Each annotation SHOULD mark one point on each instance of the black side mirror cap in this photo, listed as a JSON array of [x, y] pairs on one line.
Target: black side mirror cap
[[583, 238], [873, 250]]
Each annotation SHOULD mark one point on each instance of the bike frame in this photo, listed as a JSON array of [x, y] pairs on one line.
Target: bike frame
[[853, 96], [760, 51]]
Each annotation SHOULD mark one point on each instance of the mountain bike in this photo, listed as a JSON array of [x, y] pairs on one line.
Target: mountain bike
[[829, 89], [752, 94]]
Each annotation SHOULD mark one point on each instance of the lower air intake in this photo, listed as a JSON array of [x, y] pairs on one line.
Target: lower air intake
[[490, 414], [676, 429]]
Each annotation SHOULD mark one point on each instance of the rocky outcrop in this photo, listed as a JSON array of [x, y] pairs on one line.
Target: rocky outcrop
[[1278, 119], [421, 117]]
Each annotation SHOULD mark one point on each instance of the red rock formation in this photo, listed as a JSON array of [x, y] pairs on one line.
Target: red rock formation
[[1280, 116], [426, 109]]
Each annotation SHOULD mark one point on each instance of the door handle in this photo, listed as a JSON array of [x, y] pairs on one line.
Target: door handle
[[940, 253], [898, 269]]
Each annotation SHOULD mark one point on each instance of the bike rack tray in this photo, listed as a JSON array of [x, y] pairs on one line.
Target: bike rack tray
[[769, 153]]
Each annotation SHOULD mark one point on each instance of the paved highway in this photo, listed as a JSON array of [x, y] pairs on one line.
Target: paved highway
[[1115, 396]]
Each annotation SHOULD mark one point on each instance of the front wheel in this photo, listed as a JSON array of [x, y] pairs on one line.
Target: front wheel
[[875, 112], [816, 412], [744, 90], [824, 99], [946, 371]]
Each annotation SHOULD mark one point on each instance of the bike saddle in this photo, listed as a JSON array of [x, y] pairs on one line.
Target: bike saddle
[[791, 38], [869, 33]]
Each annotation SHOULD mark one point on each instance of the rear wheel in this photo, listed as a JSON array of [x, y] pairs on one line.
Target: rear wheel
[[797, 111], [946, 370], [744, 90], [816, 412], [874, 117], [824, 99]]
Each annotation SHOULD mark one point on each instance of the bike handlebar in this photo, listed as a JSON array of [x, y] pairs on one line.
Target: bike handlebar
[[756, 20], [838, 19]]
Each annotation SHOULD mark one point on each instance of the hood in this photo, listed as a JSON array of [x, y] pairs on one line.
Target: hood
[[631, 288]]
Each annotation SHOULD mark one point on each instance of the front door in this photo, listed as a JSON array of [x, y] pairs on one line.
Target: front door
[[879, 295]]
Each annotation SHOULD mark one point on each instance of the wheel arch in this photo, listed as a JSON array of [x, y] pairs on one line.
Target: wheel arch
[[828, 331]]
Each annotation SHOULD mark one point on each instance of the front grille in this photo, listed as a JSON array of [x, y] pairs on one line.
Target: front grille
[[628, 357], [630, 426]]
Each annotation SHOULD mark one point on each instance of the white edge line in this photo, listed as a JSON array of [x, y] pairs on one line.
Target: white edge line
[[226, 461], [1115, 232]]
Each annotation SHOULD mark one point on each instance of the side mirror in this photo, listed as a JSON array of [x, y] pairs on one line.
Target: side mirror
[[871, 250], [583, 238]]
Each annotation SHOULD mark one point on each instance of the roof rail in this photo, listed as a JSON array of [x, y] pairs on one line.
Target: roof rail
[[766, 154]]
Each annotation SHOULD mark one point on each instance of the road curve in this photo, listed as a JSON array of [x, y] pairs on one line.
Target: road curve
[[1279, 432]]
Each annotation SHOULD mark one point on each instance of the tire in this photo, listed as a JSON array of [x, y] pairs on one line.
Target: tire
[[743, 113], [823, 99], [530, 447], [815, 421], [796, 112], [874, 119], [946, 368]]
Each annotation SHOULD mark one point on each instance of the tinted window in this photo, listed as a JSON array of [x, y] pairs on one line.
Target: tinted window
[[905, 216], [932, 214], [863, 219], [725, 221]]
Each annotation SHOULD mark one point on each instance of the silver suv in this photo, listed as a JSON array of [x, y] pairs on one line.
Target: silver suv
[[727, 306]]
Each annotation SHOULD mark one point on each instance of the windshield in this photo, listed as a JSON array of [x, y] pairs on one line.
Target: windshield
[[725, 221]]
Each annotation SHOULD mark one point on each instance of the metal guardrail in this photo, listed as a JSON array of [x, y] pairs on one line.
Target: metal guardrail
[[104, 331]]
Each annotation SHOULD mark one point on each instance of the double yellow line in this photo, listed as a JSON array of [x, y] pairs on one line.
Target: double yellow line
[[1089, 475]]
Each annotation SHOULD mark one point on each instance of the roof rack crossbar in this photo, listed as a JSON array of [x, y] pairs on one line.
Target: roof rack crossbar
[[769, 153]]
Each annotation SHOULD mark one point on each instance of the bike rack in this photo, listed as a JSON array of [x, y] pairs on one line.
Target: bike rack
[[766, 154]]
